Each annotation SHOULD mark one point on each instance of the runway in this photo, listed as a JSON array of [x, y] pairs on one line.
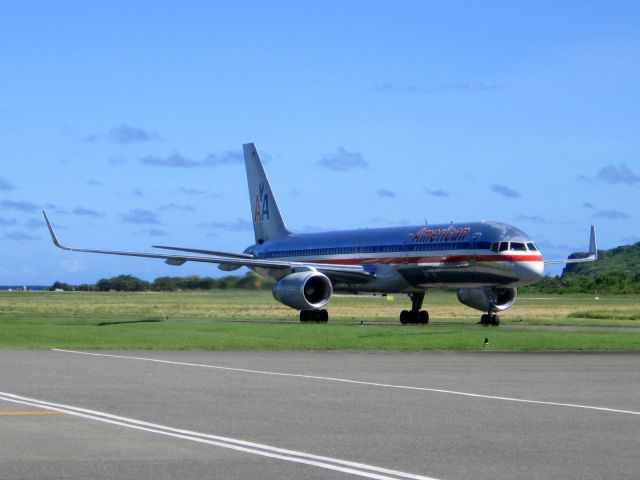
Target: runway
[[274, 415]]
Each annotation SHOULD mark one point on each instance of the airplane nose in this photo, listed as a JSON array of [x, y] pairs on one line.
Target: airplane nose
[[530, 272]]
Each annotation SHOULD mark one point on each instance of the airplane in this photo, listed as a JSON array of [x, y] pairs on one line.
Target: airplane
[[486, 261]]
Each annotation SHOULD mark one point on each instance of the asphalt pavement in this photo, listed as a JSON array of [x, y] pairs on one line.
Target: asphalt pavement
[[274, 415]]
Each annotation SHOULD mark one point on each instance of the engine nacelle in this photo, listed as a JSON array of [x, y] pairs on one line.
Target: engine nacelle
[[304, 290], [485, 299]]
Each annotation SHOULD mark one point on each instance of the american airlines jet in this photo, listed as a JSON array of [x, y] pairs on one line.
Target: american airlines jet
[[485, 261]]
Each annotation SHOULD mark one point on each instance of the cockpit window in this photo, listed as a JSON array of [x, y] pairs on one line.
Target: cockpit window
[[531, 246], [494, 246], [518, 247], [504, 246]]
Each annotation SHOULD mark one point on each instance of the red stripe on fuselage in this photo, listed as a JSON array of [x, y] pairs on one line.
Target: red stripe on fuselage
[[441, 259]]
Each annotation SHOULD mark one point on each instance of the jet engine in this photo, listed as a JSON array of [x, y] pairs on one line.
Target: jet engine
[[488, 299], [308, 290]]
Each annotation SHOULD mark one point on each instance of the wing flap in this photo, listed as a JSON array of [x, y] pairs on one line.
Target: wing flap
[[205, 252]]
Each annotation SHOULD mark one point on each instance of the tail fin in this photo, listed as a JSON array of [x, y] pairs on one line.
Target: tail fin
[[267, 221]]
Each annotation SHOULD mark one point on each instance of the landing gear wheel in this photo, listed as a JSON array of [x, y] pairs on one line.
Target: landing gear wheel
[[315, 316], [490, 319], [415, 315]]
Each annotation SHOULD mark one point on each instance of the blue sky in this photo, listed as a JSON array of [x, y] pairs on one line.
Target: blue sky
[[125, 121]]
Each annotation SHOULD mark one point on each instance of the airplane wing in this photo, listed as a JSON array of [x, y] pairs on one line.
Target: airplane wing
[[342, 273], [592, 257]]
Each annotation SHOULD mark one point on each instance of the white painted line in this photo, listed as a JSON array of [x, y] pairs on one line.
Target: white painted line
[[327, 463], [361, 382]]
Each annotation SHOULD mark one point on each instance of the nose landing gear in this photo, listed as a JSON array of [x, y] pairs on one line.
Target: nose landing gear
[[490, 318]]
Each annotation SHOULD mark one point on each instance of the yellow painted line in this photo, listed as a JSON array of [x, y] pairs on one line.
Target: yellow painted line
[[32, 413]]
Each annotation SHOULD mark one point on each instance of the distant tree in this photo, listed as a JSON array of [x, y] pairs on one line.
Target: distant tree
[[195, 283], [60, 286], [252, 281], [123, 283], [165, 284], [172, 284], [612, 283], [207, 283]]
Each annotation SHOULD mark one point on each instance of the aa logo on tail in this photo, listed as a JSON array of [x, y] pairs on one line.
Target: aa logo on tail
[[261, 211]]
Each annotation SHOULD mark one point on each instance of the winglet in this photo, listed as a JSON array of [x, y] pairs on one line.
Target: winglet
[[593, 247], [593, 252], [54, 237]]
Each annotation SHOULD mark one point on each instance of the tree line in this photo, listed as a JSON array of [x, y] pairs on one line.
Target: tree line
[[609, 283], [129, 283]]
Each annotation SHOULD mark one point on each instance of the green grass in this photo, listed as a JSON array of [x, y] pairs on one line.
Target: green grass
[[241, 320], [221, 336]]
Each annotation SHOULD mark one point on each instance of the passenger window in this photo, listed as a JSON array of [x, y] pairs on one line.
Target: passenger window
[[518, 247], [504, 246], [532, 247]]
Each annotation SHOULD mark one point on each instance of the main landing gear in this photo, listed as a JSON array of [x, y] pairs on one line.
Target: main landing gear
[[415, 315], [490, 319], [315, 316]]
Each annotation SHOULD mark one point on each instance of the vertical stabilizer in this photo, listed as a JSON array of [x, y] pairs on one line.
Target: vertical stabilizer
[[267, 221]]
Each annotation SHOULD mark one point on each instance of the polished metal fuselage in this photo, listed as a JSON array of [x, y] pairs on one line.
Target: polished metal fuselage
[[412, 258]]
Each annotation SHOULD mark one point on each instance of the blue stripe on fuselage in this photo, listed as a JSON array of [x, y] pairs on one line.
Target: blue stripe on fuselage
[[395, 240], [368, 249]]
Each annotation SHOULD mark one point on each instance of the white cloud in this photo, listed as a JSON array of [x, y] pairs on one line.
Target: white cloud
[[343, 160]]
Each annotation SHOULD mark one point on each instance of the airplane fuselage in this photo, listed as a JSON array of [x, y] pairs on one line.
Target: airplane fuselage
[[412, 258]]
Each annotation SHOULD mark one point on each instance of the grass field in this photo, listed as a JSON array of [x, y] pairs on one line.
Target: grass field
[[243, 320]]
